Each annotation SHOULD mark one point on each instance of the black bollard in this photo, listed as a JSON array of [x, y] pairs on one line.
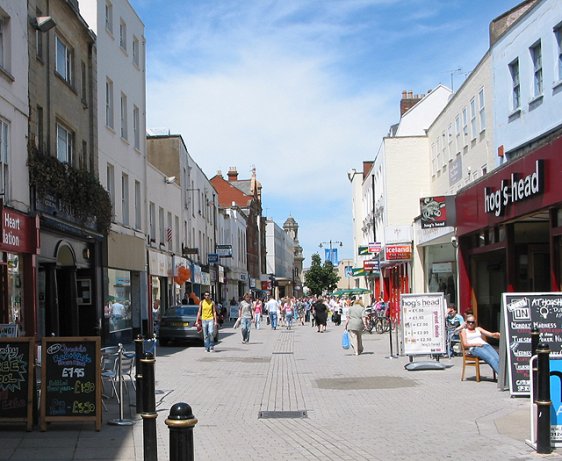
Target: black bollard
[[543, 399], [181, 423], [139, 351], [149, 414], [535, 338]]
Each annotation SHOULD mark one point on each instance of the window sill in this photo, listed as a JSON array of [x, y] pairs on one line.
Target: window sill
[[514, 115], [536, 101], [557, 86], [7, 75]]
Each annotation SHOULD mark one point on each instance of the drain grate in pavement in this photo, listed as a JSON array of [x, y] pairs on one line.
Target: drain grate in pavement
[[282, 414], [278, 353]]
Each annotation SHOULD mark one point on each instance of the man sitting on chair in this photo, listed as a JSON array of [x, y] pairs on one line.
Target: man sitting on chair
[[473, 341]]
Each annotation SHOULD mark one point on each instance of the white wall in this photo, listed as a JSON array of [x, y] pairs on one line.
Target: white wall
[[116, 64], [458, 159], [536, 115], [14, 105]]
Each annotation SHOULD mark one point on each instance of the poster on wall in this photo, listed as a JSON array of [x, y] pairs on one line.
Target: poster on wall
[[522, 312], [423, 323]]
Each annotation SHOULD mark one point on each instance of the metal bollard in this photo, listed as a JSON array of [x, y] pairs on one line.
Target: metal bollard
[[535, 338], [139, 351], [181, 423], [543, 399], [149, 414]]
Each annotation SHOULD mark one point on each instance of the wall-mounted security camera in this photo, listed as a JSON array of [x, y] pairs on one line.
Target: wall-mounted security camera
[[454, 241], [169, 179]]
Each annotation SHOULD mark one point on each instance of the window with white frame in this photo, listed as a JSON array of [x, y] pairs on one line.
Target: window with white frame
[[458, 132], [558, 37], [109, 107], [465, 125], [63, 61], [124, 128], [110, 173], [4, 157], [169, 241], [125, 198], [152, 221], [515, 84], [4, 41], [65, 140], [536, 57], [136, 51], [444, 148], [482, 109], [473, 124], [177, 233], [161, 225], [136, 126], [123, 35], [438, 155], [450, 141], [137, 205], [109, 16]]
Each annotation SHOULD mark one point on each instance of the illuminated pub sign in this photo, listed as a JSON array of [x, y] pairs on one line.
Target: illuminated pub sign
[[437, 211]]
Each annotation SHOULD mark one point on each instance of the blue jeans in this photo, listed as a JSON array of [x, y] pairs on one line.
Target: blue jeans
[[273, 319], [488, 354], [246, 325], [208, 333], [289, 320]]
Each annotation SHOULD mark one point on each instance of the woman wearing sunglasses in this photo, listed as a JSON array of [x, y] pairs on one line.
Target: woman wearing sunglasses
[[473, 340]]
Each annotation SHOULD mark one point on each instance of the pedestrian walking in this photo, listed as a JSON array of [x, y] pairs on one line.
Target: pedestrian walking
[[355, 323], [207, 317], [320, 314], [273, 310], [246, 315], [258, 309]]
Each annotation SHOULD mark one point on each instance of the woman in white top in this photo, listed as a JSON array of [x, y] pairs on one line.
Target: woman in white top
[[472, 338]]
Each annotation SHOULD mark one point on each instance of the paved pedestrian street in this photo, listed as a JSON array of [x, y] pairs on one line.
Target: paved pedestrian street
[[296, 394]]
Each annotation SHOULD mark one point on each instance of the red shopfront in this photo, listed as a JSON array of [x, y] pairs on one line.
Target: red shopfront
[[509, 229], [18, 249], [396, 275]]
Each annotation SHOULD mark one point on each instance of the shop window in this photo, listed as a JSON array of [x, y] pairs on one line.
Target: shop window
[[118, 311], [15, 291]]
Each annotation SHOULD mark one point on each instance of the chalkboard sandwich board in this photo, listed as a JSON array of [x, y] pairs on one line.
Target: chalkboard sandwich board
[[522, 312], [16, 380], [70, 380]]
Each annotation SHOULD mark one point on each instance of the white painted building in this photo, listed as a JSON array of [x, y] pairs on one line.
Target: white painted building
[[527, 65], [232, 231], [14, 105], [280, 257], [461, 151], [121, 95]]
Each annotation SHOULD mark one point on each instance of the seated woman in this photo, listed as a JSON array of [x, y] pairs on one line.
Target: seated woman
[[473, 341]]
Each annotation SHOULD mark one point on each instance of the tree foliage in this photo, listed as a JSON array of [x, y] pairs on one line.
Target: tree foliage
[[321, 277]]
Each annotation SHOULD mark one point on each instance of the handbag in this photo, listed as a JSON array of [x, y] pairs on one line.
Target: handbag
[[345, 339]]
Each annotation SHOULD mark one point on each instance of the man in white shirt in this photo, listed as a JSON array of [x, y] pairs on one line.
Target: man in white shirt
[[273, 310]]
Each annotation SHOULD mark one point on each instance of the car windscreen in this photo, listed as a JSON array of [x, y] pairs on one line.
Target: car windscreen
[[181, 311]]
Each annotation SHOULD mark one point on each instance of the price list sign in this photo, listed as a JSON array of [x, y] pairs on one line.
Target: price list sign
[[70, 384], [16, 380], [423, 323]]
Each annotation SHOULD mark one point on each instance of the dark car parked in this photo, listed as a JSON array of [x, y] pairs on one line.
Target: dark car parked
[[178, 324]]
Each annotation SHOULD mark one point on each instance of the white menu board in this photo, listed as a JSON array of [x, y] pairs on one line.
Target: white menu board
[[423, 323]]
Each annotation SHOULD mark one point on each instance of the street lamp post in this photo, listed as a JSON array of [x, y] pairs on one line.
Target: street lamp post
[[331, 243]]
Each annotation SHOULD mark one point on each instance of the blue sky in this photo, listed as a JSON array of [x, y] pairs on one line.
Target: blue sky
[[304, 90]]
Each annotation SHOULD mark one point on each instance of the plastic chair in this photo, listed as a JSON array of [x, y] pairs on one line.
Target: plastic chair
[[469, 360]]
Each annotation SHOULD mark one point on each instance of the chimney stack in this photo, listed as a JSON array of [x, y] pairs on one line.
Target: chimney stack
[[408, 101], [232, 174]]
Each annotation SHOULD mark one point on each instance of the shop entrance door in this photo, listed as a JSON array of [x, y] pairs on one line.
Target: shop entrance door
[[490, 281]]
